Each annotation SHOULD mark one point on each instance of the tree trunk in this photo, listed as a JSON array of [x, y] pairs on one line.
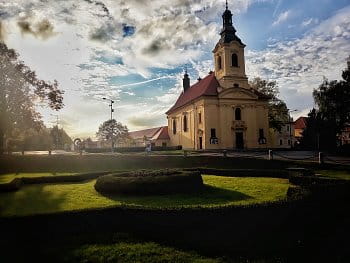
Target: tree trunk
[[2, 142]]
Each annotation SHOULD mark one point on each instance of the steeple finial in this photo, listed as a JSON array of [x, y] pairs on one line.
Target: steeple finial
[[226, 5]]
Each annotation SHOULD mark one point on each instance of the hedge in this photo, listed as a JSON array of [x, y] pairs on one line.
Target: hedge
[[275, 173], [16, 183], [132, 149], [158, 182]]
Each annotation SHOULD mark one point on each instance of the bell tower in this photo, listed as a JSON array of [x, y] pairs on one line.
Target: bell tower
[[229, 56]]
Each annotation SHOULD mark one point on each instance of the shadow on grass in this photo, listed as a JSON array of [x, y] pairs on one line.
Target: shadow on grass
[[31, 199], [207, 196]]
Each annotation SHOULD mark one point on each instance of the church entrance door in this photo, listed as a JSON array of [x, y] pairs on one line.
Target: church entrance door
[[200, 143], [239, 140]]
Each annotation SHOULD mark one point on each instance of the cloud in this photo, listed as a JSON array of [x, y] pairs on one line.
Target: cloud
[[299, 65], [309, 22], [2, 31], [282, 18], [42, 29]]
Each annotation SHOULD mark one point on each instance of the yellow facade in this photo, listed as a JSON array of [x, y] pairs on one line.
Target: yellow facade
[[214, 122]]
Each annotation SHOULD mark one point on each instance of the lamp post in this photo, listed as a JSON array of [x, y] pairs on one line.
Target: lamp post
[[57, 133], [290, 126], [110, 105], [112, 110]]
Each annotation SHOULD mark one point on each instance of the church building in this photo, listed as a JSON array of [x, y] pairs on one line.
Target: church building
[[221, 111]]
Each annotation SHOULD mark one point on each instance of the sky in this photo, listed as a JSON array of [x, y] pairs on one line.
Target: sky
[[135, 51]]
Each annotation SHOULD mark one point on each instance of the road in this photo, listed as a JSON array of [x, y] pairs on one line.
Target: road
[[277, 155]]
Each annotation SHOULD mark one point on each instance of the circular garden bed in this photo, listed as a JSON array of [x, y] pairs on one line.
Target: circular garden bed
[[150, 183]]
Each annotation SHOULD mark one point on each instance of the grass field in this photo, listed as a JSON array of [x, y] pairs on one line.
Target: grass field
[[5, 178], [339, 174], [125, 252], [218, 191]]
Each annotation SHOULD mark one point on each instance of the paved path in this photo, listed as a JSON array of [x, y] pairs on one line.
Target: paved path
[[277, 155]]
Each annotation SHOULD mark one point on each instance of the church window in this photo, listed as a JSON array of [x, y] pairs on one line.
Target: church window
[[219, 62], [234, 60], [212, 133], [200, 117], [281, 142], [174, 126], [185, 123], [238, 114], [261, 133]]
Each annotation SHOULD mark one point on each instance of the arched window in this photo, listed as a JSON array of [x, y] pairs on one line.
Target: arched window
[[174, 126], [234, 60], [185, 123], [238, 114], [219, 62]]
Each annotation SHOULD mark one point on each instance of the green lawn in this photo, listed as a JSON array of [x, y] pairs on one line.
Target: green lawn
[[125, 252], [334, 174], [219, 191], [5, 178]]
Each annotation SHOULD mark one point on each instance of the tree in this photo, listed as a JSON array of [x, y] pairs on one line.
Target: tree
[[332, 99], [60, 137], [19, 88], [112, 131], [278, 111]]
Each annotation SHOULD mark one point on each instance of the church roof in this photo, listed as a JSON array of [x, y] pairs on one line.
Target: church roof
[[205, 87]]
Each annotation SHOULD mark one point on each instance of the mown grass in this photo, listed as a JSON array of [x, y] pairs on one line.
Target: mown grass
[[125, 252], [341, 174], [5, 178], [218, 191]]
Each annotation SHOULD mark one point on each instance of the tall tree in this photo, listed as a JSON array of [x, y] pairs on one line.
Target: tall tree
[[278, 111], [112, 131], [333, 106], [19, 89]]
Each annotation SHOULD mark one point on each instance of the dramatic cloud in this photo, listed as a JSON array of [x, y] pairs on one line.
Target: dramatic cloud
[[299, 65], [2, 32], [135, 50], [282, 18], [42, 29]]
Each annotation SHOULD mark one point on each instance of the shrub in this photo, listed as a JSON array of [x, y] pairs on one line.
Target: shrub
[[14, 185], [143, 182], [242, 172], [62, 178], [132, 149]]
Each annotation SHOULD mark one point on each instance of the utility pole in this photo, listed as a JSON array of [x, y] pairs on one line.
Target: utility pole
[[290, 127], [110, 105], [57, 133]]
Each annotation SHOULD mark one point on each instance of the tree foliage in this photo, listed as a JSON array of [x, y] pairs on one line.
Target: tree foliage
[[20, 88], [326, 123], [112, 131], [278, 111]]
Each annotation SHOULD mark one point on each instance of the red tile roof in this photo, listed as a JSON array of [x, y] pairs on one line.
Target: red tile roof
[[162, 134], [300, 123], [149, 133], [158, 133], [205, 87]]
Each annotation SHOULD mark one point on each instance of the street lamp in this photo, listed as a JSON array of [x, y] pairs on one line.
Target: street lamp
[[110, 105], [290, 126], [112, 110]]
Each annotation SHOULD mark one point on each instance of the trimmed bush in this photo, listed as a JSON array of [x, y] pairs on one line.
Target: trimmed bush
[[242, 172], [143, 182], [14, 185], [132, 149]]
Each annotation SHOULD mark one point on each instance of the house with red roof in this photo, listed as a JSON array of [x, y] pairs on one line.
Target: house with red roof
[[299, 127], [154, 136], [221, 111]]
